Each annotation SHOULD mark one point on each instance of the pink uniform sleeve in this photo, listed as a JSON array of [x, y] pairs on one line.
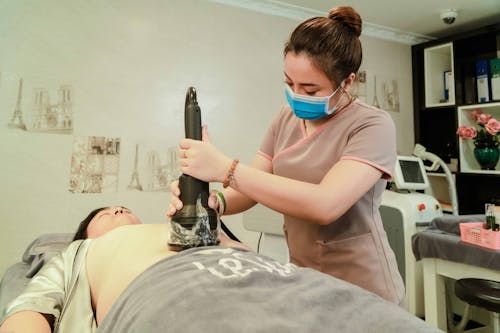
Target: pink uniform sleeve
[[374, 143]]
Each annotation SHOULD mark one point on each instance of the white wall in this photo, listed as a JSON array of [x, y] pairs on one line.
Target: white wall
[[392, 60], [129, 64]]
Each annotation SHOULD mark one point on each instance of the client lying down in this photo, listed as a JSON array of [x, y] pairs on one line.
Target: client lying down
[[131, 282]]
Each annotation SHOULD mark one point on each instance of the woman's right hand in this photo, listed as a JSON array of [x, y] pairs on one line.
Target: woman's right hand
[[176, 203]]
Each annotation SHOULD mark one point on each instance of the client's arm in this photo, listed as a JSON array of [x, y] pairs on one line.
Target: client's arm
[[226, 241], [41, 302], [27, 321]]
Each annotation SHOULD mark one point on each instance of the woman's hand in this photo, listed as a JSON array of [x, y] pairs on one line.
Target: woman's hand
[[192, 154], [176, 203], [202, 160]]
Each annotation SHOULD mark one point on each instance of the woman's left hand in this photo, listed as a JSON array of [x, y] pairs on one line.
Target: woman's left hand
[[202, 160]]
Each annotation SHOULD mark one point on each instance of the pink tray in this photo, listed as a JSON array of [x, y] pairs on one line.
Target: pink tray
[[475, 233]]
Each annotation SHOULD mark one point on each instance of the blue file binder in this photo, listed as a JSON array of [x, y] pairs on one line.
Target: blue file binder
[[483, 81]]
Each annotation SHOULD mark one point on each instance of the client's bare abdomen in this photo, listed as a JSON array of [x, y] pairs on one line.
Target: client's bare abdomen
[[118, 259]]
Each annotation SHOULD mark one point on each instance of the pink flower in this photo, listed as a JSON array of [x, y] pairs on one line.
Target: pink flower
[[485, 132], [475, 114], [466, 132], [483, 118], [492, 126]]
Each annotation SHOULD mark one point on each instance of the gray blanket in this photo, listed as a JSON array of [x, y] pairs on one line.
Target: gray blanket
[[217, 289], [442, 240]]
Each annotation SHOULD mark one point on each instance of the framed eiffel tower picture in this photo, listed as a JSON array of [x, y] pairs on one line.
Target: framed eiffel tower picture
[[154, 168], [48, 111]]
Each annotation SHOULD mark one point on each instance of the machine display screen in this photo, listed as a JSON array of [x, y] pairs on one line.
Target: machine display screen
[[410, 174]]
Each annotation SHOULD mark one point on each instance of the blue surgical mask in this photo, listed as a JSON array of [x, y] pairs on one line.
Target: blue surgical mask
[[310, 107]]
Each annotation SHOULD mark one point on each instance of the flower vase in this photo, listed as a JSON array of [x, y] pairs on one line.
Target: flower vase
[[487, 156]]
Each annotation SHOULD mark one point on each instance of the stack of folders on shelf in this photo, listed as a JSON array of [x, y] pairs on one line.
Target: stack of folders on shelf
[[488, 80], [448, 79], [495, 78], [483, 84]]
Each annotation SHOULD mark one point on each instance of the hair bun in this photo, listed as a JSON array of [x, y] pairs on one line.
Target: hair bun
[[348, 17]]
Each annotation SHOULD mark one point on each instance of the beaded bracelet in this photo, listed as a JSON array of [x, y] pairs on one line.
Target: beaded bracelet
[[230, 174]]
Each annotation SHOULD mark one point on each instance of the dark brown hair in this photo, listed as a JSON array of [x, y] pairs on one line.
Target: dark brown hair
[[332, 42], [81, 232]]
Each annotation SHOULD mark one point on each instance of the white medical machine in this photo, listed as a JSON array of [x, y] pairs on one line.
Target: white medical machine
[[404, 212], [440, 177]]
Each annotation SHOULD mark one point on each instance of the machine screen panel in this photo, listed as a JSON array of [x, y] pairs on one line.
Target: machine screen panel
[[410, 174]]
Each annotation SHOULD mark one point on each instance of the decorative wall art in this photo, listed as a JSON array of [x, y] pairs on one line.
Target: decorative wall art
[[154, 169], [386, 93], [48, 114], [94, 165], [359, 87], [53, 117], [17, 120]]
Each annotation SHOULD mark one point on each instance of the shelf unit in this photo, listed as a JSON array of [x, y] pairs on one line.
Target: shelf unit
[[467, 160], [438, 60], [436, 119]]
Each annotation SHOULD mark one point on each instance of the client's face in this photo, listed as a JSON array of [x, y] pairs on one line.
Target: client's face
[[109, 219]]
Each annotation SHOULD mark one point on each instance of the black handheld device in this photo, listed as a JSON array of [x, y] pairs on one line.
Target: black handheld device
[[195, 224]]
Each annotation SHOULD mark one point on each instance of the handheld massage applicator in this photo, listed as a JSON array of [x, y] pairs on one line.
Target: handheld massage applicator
[[195, 224]]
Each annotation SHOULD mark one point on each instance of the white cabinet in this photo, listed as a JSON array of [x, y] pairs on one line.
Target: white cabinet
[[468, 162], [439, 75]]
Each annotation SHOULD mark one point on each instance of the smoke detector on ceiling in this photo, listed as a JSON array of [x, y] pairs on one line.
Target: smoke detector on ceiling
[[449, 16]]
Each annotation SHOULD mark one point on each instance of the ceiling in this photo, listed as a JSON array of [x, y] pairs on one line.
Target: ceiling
[[419, 17], [405, 21]]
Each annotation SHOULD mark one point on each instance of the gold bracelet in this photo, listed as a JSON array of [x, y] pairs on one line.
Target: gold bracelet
[[230, 174]]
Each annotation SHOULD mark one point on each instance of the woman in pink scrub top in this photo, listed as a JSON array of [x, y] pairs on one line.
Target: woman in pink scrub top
[[323, 163]]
